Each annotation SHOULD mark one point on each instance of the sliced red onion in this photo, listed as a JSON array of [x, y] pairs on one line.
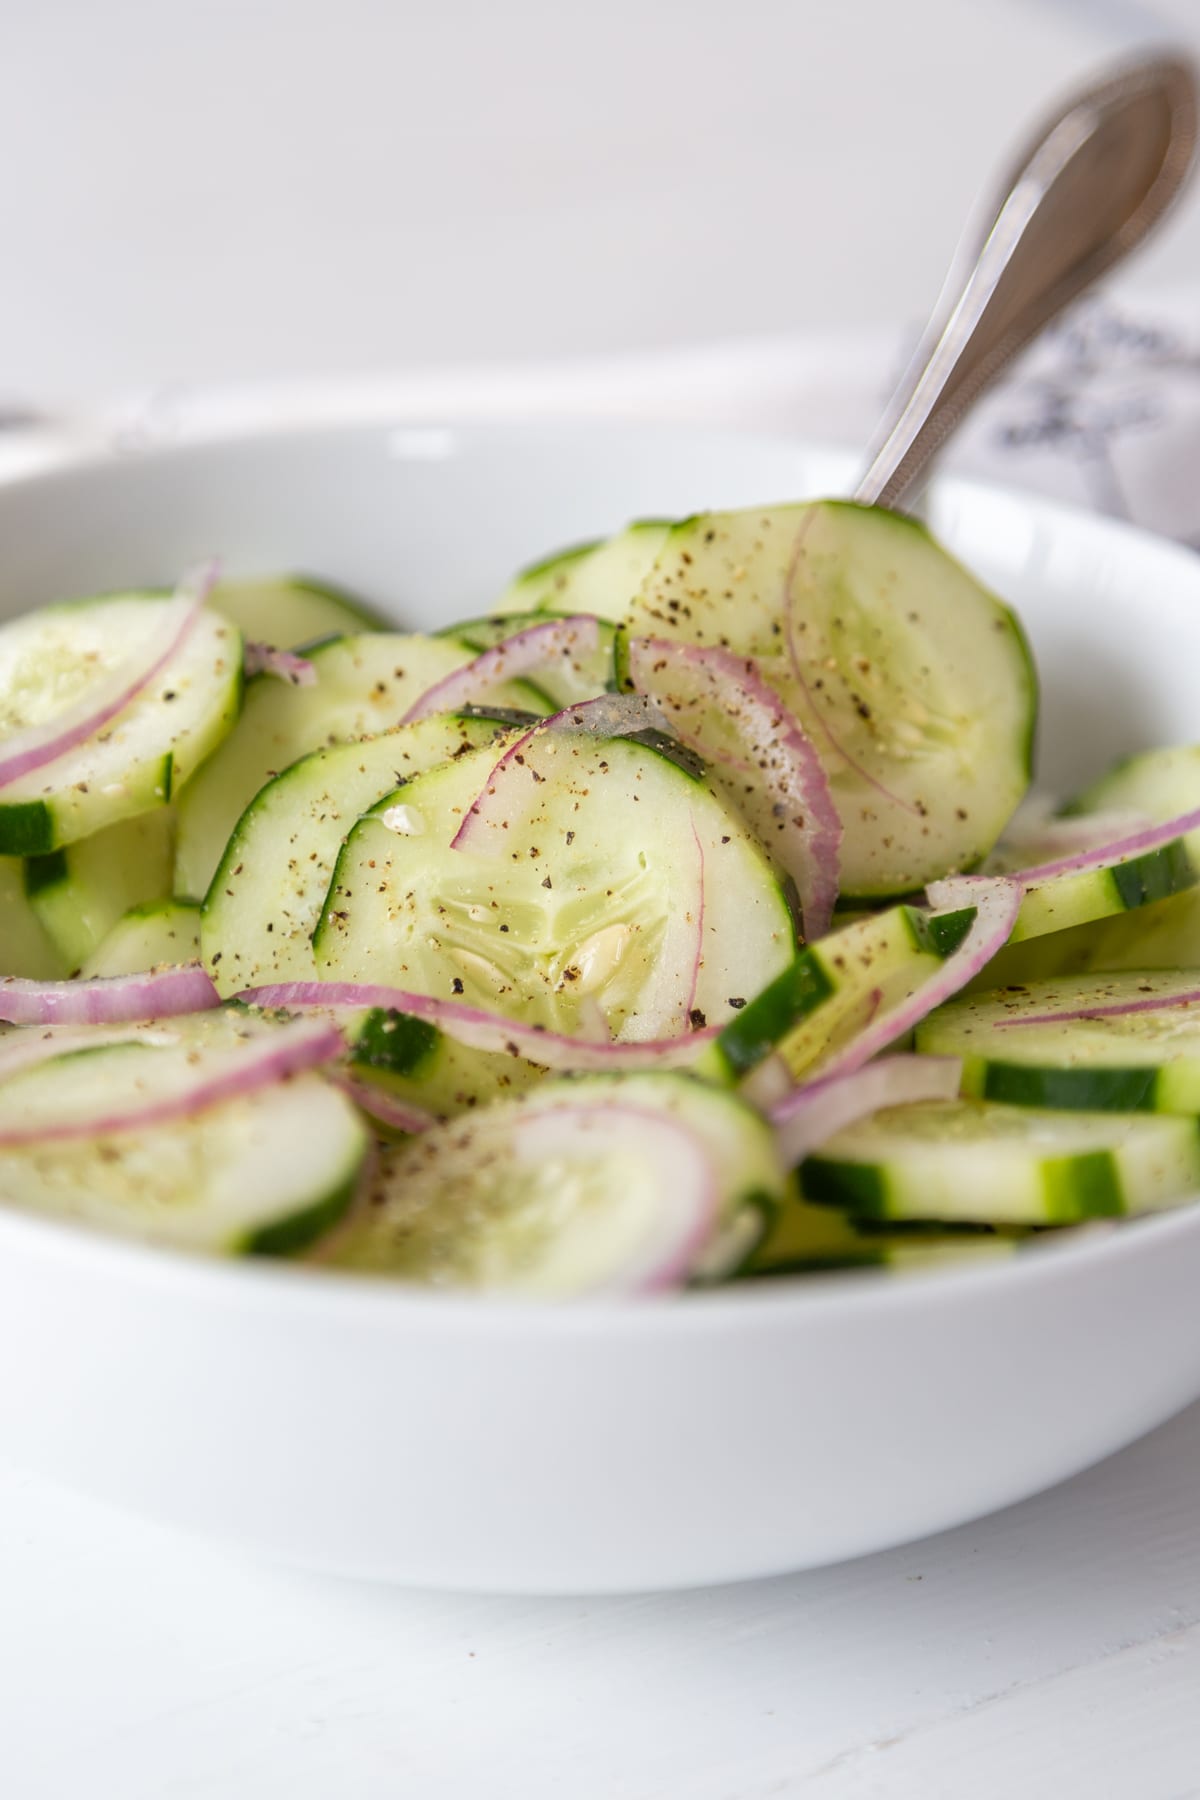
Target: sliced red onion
[[107, 999], [384, 1107], [265, 659], [1038, 833], [960, 890], [487, 1031], [813, 1113], [512, 782], [591, 1022], [537, 647], [226, 1075], [676, 1160], [768, 1083], [996, 901], [1117, 1010], [771, 770], [37, 745]]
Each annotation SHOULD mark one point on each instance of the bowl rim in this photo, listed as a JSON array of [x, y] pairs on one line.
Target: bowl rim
[[291, 1286], [286, 1286]]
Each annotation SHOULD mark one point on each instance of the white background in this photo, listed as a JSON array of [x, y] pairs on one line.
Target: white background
[[241, 188], [219, 192]]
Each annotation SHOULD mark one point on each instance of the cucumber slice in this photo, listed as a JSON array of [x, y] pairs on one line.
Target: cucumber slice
[[539, 584], [412, 1060], [1160, 784], [80, 892], [1005, 1165], [1017, 1046], [1081, 897], [835, 987], [266, 896], [914, 1254], [915, 684], [145, 753], [804, 1239], [159, 934], [586, 1185], [118, 1071], [609, 881], [564, 683], [262, 1175], [290, 610], [25, 949], [364, 686], [1163, 935], [599, 578]]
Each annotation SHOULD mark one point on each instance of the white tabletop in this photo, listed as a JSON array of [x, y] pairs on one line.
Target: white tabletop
[[292, 191], [1052, 1650]]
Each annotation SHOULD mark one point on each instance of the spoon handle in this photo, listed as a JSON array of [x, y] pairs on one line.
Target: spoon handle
[[1080, 196]]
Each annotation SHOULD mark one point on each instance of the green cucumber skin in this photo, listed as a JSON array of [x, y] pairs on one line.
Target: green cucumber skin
[[1052, 1044], [859, 1189], [42, 872], [557, 562], [760, 1026], [1089, 896], [1082, 1187], [942, 933], [490, 629], [996, 1165], [437, 1075], [368, 617], [672, 751], [25, 948], [1155, 876], [1074, 1188], [1066, 1090], [31, 828], [264, 607], [753, 1033], [395, 1042], [27, 829], [1173, 1088], [80, 892], [290, 1236]]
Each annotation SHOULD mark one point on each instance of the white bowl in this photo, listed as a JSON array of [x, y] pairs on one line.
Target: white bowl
[[450, 1442]]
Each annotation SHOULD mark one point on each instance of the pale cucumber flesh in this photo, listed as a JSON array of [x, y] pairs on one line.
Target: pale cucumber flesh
[[603, 871], [915, 684]]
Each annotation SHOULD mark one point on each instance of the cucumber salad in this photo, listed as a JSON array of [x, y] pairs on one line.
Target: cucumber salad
[[686, 919]]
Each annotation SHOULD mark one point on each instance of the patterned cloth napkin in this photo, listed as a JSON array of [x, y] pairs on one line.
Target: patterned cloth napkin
[[1104, 412]]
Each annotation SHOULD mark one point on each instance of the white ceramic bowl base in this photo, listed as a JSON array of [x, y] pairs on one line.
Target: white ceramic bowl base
[[374, 1430]]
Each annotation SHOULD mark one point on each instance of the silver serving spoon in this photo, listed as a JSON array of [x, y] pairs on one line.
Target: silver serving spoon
[[1081, 195]]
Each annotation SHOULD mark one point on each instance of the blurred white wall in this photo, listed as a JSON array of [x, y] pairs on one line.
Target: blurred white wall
[[219, 190]]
